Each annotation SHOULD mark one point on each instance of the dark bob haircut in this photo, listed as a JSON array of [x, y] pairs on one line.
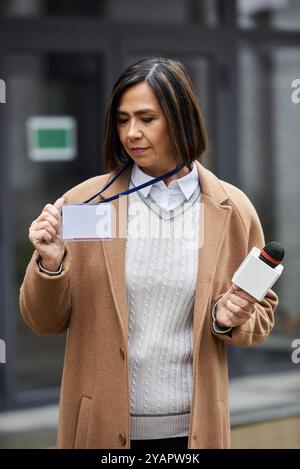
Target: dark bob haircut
[[174, 91]]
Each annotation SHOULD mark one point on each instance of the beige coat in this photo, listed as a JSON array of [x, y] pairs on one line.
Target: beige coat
[[89, 301]]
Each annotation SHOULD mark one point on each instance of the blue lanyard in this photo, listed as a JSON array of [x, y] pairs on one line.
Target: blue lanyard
[[129, 191]]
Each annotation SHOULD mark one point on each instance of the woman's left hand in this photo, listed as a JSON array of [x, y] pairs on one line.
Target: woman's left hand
[[235, 307]]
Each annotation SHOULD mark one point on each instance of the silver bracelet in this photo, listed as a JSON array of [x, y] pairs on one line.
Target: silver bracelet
[[216, 327], [49, 272]]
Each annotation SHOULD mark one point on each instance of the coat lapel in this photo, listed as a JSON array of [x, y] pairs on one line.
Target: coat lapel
[[214, 220], [114, 249]]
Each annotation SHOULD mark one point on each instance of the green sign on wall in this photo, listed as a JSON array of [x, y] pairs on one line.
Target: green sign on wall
[[51, 138]]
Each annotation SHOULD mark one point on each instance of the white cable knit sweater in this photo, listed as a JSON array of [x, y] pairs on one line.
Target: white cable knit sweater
[[161, 276]]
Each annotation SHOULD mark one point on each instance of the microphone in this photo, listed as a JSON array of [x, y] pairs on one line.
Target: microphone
[[272, 254], [260, 270]]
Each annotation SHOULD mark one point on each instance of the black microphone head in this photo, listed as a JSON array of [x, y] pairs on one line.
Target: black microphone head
[[274, 250], [272, 254]]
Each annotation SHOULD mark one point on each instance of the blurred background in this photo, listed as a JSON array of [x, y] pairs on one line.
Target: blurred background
[[59, 61]]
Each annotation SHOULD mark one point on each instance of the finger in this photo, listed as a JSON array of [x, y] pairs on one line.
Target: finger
[[232, 320], [52, 211], [238, 291], [227, 318], [239, 301], [226, 323], [223, 318], [45, 225], [59, 203], [40, 236], [237, 311], [46, 216]]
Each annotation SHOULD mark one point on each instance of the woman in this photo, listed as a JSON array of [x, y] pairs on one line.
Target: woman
[[148, 316]]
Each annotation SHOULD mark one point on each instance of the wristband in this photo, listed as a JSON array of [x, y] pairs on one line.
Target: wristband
[[217, 328], [49, 272]]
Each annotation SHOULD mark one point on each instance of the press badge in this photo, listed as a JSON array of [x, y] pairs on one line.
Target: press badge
[[82, 222]]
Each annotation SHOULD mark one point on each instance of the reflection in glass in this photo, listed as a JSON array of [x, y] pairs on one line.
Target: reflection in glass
[[47, 85], [204, 12], [273, 14], [270, 127]]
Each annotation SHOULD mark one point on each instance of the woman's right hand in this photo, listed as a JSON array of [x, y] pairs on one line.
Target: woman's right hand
[[45, 235]]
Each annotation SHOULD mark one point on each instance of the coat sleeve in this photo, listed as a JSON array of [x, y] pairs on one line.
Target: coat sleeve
[[258, 327], [45, 301]]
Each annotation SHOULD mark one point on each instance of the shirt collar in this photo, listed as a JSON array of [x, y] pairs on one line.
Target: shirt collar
[[186, 184]]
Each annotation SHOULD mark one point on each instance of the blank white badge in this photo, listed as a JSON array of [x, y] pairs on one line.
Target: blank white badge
[[82, 222]]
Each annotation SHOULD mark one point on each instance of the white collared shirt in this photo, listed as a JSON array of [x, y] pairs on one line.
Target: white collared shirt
[[171, 196]]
